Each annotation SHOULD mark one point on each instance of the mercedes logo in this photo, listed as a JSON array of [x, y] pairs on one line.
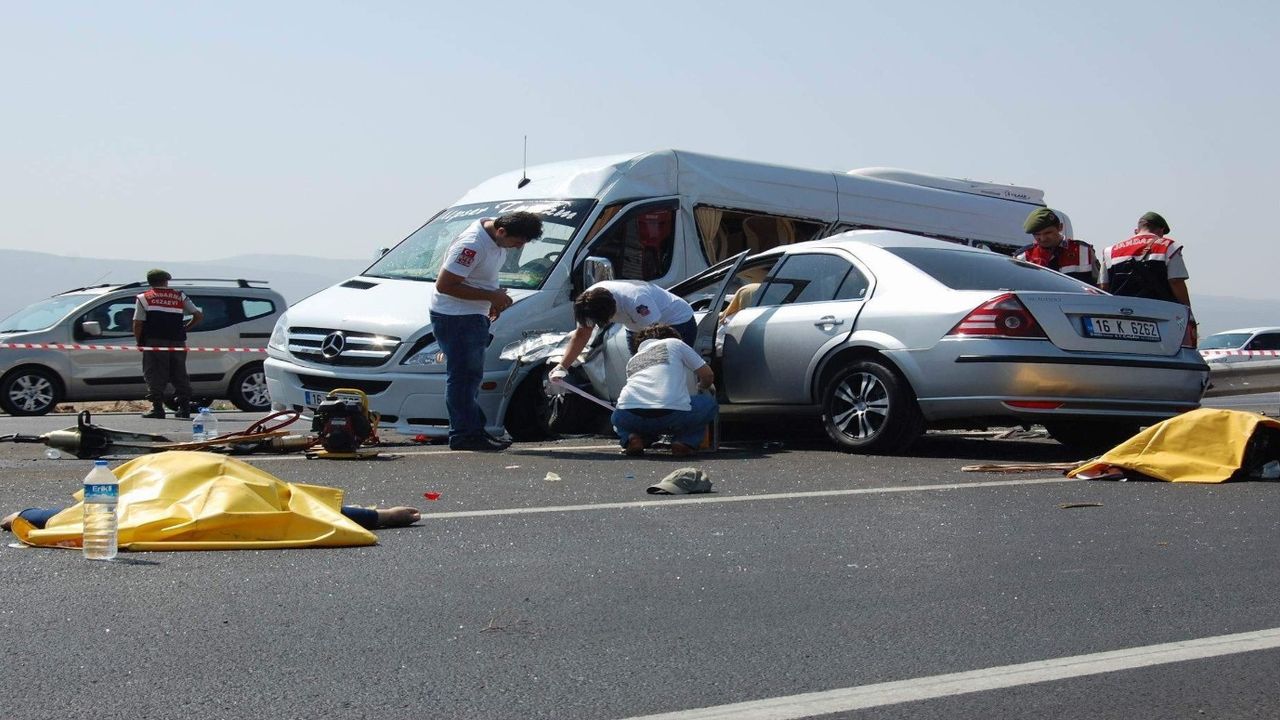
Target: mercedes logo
[[333, 345]]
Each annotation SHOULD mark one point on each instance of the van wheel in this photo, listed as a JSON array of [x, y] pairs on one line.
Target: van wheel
[[30, 391], [529, 414], [867, 408], [248, 390]]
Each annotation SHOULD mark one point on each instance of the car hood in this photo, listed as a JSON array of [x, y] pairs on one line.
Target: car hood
[[374, 305]]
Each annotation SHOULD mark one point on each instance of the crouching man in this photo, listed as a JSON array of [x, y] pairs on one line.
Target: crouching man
[[656, 401]]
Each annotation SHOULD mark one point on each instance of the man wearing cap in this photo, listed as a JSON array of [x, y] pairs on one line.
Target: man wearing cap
[[1149, 264], [159, 320], [468, 297], [1055, 251]]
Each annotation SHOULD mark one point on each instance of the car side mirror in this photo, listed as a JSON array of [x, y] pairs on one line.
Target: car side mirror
[[92, 328], [595, 269], [380, 252]]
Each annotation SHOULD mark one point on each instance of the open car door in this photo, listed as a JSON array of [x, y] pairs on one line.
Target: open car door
[[725, 270]]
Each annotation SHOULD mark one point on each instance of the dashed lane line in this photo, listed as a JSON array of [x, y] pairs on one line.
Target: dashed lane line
[[1005, 676]]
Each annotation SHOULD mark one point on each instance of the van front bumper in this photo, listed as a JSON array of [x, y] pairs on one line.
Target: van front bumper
[[410, 403]]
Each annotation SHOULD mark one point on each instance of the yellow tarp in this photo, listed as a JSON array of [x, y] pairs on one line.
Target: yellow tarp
[[1201, 446], [182, 500]]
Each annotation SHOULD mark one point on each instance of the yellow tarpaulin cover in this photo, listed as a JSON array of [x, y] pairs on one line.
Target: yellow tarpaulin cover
[[182, 500], [1201, 446]]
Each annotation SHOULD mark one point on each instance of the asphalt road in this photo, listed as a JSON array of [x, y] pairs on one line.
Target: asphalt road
[[806, 571]]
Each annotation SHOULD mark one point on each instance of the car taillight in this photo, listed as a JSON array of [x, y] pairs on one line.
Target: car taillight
[[1004, 316], [1190, 338]]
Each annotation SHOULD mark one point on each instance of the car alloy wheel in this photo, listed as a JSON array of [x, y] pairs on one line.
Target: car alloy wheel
[[248, 391], [29, 392], [867, 407], [860, 407]]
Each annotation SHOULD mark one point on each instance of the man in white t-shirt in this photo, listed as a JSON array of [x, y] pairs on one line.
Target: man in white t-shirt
[[634, 304], [656, 401], [467, 299]]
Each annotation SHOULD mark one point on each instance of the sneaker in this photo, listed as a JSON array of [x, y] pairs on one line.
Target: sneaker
[[634, 446], [478, 443], [679, 449]]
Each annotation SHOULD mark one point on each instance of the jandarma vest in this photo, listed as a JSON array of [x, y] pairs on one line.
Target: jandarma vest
[[164, 320], [1071, 257], [1139, 266]]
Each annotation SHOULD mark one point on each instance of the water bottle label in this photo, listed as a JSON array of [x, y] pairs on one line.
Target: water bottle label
[[101, 493]]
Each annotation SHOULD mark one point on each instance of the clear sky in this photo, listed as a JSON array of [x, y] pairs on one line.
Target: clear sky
[[183, 131]]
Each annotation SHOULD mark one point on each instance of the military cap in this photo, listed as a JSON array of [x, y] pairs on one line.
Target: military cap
[[1041, 219], [1154, 221], [158, 275]]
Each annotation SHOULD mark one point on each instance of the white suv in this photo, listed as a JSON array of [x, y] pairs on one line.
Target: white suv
[[238, 314]]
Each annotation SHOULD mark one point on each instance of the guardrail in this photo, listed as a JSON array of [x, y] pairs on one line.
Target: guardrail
[[1229, 376]]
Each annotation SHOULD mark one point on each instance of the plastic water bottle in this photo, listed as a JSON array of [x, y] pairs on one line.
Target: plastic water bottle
[[101, 490], [204, 426]]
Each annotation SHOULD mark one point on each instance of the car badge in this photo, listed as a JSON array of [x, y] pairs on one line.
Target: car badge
[[1126, 311], [333, 345]]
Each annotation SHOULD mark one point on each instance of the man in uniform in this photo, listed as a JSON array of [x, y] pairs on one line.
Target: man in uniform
[[159, 320], [468, 297], [1055, 251], [1149, 264]]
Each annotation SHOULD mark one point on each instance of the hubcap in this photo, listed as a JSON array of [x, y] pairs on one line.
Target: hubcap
[[860, 406], [31, 393], [254, 389]]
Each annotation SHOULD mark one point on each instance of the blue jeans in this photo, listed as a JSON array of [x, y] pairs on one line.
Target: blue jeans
[[688, 333], [463, 339], [685, 426]]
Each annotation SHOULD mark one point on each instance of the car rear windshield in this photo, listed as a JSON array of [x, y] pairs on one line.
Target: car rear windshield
[[966, 270]]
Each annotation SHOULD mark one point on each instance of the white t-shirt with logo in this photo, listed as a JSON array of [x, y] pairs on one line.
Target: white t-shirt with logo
[[474, 256], [658, 376], [641, 304]]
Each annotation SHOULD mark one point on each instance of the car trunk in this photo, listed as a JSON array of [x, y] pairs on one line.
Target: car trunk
[[1108, 324]]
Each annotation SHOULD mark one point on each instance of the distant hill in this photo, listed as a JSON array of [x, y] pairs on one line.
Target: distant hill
[[31, 276]]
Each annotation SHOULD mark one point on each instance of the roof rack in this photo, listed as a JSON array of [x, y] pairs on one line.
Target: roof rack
[[239, 282]]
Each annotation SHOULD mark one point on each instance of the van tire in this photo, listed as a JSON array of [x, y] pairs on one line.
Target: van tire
[[529, 412], [868, 408], [248, 389], [30, 390]]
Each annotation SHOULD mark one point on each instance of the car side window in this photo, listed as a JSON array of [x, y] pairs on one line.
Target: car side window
[[807, 278], [1266, 341], [219, 312], [254, 309], [115, 317]]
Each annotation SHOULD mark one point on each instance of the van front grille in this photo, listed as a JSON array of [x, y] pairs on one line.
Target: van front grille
[[343, 348]]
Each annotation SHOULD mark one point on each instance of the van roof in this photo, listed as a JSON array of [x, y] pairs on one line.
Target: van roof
[[876, 197]]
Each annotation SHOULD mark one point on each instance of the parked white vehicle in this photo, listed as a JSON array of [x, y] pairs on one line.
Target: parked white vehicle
[[659, 216]]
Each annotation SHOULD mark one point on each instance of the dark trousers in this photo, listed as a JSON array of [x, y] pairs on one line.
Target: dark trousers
[[686, 426], [162, 367], [463, 339], [688, 333]]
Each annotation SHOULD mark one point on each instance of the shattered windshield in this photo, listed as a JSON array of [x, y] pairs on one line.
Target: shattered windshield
[[420, 255], [43, 314]]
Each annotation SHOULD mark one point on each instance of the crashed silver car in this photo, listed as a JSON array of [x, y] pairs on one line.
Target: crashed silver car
[[883, 334]]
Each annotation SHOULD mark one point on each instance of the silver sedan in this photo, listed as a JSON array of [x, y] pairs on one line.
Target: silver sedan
[[883, 334]]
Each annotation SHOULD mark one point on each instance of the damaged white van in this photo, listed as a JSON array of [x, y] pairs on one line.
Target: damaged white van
[[658, 216]]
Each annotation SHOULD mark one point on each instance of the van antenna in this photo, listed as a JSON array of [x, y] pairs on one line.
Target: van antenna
[[524, 166]]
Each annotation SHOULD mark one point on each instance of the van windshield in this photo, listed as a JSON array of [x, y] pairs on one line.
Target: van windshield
[[419, 256], [42, 315]]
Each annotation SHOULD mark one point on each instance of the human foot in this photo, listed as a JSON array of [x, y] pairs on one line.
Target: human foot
[[399, 516], [7, 522]]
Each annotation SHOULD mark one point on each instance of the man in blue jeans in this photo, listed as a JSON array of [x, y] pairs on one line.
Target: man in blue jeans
[[467, 299], [656, 401]]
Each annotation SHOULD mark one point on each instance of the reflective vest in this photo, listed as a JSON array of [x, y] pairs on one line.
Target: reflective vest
[[1139, 266], [164, 322], [1071, 257]]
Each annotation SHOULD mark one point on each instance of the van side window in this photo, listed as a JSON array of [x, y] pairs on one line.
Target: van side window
[[115, 318], [725, 233], [257, 308], [219, 312], [641, 243], [807, 278]]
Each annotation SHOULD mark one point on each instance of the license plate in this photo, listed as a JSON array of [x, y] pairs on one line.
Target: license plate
[[312, 399], [1121, 329]]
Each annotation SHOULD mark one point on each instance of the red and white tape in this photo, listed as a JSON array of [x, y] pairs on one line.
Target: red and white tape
[[1240, 353], [133, 348]]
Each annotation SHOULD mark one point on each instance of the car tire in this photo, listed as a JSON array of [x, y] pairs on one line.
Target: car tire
[[1091, 437], [31, 390], [868, 408], [248, 389], [529, 412]]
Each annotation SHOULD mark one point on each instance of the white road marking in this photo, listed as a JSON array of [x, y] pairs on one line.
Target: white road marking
[[707, 500], [397, 452], [937, 686]]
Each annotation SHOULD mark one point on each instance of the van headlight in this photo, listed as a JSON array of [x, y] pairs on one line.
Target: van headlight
[[535, 347], [424, 353], [279, 335]]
